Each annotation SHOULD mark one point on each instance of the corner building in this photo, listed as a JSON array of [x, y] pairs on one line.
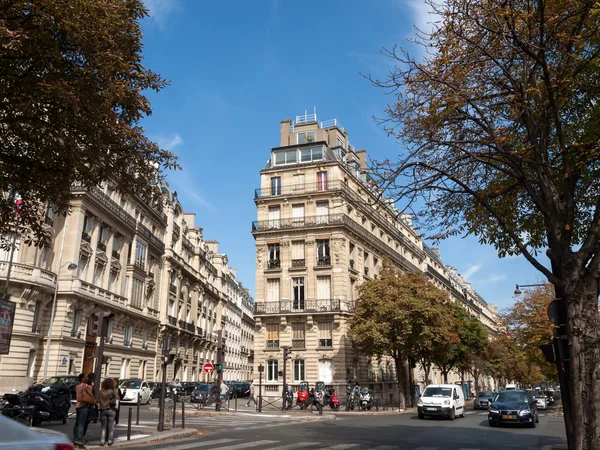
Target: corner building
[[323, 228]]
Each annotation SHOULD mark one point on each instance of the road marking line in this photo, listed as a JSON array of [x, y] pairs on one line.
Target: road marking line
[[343, 446], [385, 447], [202, 444], [296, 445], [470, 412], [247, 445], [427, 448]]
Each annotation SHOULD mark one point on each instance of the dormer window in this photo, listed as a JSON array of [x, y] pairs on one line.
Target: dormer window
[[306, 137], [311, 154], [285, 157]]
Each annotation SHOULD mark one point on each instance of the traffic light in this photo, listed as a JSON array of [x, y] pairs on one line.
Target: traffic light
[[170, 357], [219, 367], [548, 351], [287, 353]]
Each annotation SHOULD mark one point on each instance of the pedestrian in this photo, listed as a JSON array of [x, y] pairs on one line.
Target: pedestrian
[[109, 398], [93, 410], [224, 389], [251, 391], [85, 400], [121, 395]]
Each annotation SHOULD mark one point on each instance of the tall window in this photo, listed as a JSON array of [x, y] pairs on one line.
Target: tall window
[[137, 294], [276, 186], [323, 212], [298, 180], [366, 263], [272, 335], [298, 213], [306, 137], [77, 315], [298, 292], [140, 255], [298, 370], [298, 254], [35, 327], [116, 246], [274, 256], [326, 334], [44, 256], [322, 181], [323, 288], [103, 235], [171, 308], [128, 336], [272, 370], [273, 290], [87, 224], [98, 271], [323, 257], [298, 335], [274, 216]]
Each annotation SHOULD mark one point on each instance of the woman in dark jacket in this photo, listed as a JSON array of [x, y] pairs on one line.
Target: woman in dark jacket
[[93, 412], [121, 395]]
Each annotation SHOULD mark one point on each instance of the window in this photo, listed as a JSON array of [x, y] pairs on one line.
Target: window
[[285, 157], [35, 327], [276, 186], [340, 141], [272, 370], [352, 254], [109, 329], [323, 258], [87, 223], [326, 334], [125, 368], [298, 335], [322, 181], [140, 256], [298, 182], [273, 335], [116, 246], [311, 154], [126, 286], [274, 256], [298, 254], [77, 315], [44, 256], [103, 235], [273, 290], [274, 216], [128, 336], [305, 137], [138, 293], [298, 213], [323, 288], [299, 370], [322, 212], [326, 371], [82, 267], [298, 293], [98, 271]]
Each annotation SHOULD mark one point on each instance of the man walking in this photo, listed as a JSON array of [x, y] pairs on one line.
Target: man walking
[[251, 399]]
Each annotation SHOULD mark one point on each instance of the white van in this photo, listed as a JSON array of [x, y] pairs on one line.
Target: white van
[[447, 400]]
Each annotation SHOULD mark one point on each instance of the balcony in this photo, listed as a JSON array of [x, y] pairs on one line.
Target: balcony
[[187, 244], [190, 327], [176, 231], [298, 263], [296, 222], [298, 343], [273, 344], [101, 246], [297, 189], [324, 261], [106, 203], [150, 237], [274, 264], [28, 274], [86, 237], [290, 306], [116, 254], [172, 321]]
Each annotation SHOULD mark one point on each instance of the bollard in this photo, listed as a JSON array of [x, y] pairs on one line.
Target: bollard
[[129, 424], [236, 403], [137, 413], [182, 415], [174, 410]]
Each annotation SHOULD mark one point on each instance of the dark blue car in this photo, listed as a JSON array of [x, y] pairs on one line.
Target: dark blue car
[[513, 407]]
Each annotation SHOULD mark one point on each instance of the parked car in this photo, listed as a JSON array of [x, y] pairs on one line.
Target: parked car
[[71, 381], [16, 436], [540, 399], [446, 400], [133, 387], [483, 400], [513, 407], [188, 387], [202, 394], [549, 397]]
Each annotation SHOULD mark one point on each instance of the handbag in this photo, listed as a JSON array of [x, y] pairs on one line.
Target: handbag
[[86, 397]]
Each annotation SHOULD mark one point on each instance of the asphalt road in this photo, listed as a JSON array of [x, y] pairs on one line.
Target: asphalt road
[[380, 432]]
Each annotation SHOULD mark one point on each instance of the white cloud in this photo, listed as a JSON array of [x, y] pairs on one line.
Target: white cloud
[[421, 14], [160, 10], [473, 268], [168, 142], [493, 278]]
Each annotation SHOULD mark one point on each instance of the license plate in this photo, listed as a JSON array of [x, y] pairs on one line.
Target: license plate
[[509, 417], [483, 403], [431, 409], [44, 413]]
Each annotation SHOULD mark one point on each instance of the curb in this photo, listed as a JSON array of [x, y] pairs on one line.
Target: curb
[[153, 437]]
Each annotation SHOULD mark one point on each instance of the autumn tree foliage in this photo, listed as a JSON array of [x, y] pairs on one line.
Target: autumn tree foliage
[[72, 94], [400, 315], [499, 122], [528, 324]]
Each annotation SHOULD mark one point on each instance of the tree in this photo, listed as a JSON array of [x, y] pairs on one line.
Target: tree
[[500, 125], [395, 314], [527, 321], [72, 95]]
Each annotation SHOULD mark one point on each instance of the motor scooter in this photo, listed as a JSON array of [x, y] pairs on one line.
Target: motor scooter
[[334, 401], [302, 396], [366, 398], [49, 403]]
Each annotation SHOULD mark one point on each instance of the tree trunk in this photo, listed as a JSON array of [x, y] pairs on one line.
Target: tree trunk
[[401, 376], [583, 369], [427, 370], [476, 380]]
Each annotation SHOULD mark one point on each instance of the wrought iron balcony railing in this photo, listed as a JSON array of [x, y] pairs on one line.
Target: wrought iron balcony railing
[[150, 237], [172, 321], [298, 263], [291, 306], [292, 189]]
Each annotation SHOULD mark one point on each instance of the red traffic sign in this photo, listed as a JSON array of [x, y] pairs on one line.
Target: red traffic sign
[[208, 368]]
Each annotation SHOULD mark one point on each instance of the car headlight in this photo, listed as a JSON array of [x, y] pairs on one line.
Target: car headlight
[[446, 402], [420, 402], [524, 411], [494, 410]]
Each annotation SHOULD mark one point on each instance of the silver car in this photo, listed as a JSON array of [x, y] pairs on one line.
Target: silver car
[[483, 400], [16, 436]]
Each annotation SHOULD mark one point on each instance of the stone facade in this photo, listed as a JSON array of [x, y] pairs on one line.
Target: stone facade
[[145, 268], [322, 229]]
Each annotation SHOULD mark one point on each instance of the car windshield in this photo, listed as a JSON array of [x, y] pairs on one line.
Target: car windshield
[[485, 394], [512, 397], [202, 388], [131, 384], [54, 380], [437, 392]]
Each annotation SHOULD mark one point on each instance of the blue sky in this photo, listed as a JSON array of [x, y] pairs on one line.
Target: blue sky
[[237, 68]]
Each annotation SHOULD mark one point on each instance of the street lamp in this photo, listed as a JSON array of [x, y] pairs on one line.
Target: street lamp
[[519, 292], [71, 266]]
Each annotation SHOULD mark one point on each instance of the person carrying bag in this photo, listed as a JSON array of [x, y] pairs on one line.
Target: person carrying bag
[[85, 400], [109, 400]]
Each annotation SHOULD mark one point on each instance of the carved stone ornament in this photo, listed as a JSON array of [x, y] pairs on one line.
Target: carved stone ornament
[[310, 241], [309, 322], [29, 297], [283, 323], [285, 244], [85, 250], [150, 286], [115, 265], [101, 258], [259, 258]]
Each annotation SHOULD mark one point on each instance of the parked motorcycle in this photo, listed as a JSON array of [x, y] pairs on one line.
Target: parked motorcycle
[[48, 403], [333, 400], [303, 395], [289, 398], [366, 398], [15, 407]]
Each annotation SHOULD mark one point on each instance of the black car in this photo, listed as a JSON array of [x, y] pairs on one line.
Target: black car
[[155, 389], [513, 407], [189, 387], [202, 394], [70, 381]]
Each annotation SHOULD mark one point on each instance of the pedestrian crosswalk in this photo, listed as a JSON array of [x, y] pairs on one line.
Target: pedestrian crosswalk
[[233, 423], [241, 444]]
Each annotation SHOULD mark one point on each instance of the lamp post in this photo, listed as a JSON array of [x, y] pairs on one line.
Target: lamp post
[[518, 290], [71, 266]]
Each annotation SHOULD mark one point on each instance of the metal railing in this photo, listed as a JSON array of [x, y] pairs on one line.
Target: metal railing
[[307, 221], [150, 237], [176, 230], [172, 321], [298, 263], [289, 306], [331, 123], [291, 189]]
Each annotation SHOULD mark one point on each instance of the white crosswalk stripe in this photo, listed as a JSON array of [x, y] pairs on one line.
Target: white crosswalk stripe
[[343, 446], [247, 445], [202, 444]]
